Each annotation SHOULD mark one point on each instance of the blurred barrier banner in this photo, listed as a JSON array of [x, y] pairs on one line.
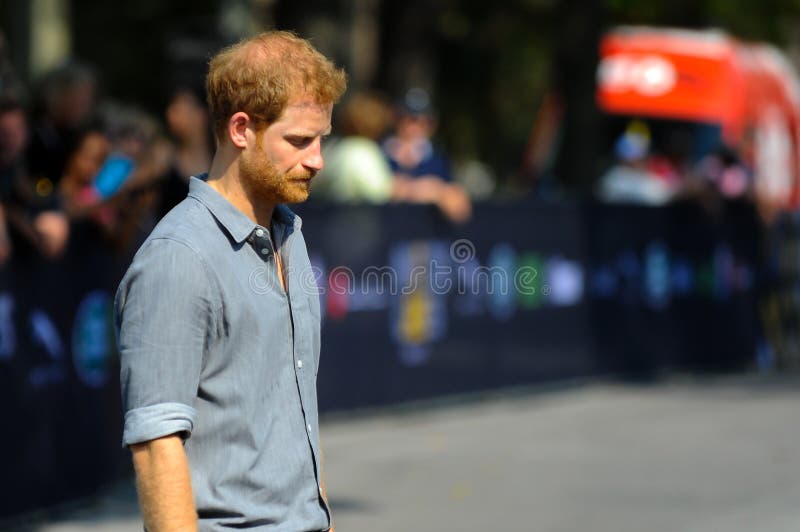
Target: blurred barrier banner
[[59, 374], [779, 305], [412, 308]]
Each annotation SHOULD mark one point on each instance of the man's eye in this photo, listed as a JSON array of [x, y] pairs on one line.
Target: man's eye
[[299, 142]]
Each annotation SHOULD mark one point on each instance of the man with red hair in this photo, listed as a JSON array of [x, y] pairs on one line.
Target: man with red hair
[[218, 315]]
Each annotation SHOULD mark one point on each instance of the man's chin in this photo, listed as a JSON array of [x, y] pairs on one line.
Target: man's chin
[[300, 198], [298, 192]]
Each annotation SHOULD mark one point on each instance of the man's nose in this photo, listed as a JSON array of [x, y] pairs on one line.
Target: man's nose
[[313, 158]]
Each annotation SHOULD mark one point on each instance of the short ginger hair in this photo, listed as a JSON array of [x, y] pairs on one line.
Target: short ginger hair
[[261, 75]]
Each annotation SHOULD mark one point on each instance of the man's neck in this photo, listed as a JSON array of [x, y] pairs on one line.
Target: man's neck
[[224, 178]]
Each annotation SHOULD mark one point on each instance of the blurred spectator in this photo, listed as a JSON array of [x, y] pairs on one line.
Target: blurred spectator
[[632, 179], [65, 102], [13, 140], [52, 232], [137, 136], [723, 171], [410, 151], [422, 174], [79, 196], [355, 167], [45, 230], [478, 179], [127, 183], [188, 124], [718, 177]]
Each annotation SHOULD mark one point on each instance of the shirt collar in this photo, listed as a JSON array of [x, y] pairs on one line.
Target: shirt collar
[[238, 226], [285, 215]]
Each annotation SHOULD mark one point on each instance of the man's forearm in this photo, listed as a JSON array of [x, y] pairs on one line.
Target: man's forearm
[[164, 485], [323, 487]]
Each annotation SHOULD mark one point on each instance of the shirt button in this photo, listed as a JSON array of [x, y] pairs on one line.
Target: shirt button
[[299, 364], [264, 251], [259, 232], [308, 428]]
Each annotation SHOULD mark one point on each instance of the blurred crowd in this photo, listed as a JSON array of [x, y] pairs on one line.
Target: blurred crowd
[[385, 153], [71, 156], [655, 174]]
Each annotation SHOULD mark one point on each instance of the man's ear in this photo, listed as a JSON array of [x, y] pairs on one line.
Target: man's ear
[[237, 128]]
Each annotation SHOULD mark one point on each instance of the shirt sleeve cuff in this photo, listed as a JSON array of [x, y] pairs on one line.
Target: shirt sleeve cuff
[[155, 421]]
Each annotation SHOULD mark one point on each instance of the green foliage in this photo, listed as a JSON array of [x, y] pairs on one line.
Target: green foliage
[[495, 69], [766, 20], [128, 41]]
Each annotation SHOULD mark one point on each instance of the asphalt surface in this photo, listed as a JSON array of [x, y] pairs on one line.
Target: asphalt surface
[[684, 456]]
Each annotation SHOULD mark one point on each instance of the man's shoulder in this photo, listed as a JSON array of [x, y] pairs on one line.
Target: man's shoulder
[[177, 252], [188, 232], [188, 214], [189, 223]]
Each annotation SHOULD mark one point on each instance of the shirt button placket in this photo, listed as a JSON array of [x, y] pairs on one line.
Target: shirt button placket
[[261, 242]]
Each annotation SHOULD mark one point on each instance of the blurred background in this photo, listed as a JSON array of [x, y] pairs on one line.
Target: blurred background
[[557, 246]]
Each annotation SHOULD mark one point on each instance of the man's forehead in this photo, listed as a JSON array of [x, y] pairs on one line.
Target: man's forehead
[[306, 115], [310, 104]]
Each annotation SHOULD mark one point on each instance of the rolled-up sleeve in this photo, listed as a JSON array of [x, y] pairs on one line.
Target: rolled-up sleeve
[[163, 318]]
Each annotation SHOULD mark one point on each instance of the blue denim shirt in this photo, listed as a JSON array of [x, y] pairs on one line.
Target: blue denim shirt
[[213, 348]]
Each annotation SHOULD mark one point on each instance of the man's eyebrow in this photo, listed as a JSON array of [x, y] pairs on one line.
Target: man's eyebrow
[[309, 134]]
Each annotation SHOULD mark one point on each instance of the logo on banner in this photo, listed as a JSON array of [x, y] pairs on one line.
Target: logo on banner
[[604, 282], [724, 272], [8, 337], [93, 339], [500, 291], [682, 277], [566, 282], [419, 313], [658, 284]]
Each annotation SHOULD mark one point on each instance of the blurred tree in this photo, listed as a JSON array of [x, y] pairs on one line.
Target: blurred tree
[[129, 41], [576, 53], [766, 20], [325, 23], [487, 64], [411, 55], [347, 31], [16, 29]]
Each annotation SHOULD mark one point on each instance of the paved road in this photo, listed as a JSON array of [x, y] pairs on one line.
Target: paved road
[[687, 456]]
